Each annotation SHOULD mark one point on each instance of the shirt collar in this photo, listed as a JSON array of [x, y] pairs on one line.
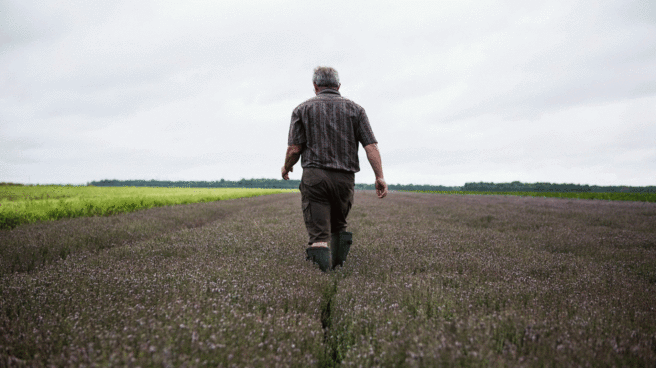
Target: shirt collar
[[330, 91]]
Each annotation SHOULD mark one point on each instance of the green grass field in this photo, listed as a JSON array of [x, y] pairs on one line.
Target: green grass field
[[638, 197], [29, 204]]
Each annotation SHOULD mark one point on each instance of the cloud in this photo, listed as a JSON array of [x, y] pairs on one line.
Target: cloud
[[456, 91]]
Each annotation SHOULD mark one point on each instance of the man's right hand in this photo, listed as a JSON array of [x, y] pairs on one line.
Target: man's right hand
[[381, 187]]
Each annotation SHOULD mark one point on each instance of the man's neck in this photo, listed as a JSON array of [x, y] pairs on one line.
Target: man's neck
[[318, 89]]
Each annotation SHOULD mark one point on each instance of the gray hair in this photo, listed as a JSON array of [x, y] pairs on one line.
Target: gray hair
[[325, 76]]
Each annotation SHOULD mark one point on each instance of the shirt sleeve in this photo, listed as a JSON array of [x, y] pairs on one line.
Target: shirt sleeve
[[364, 133], [296, 130]]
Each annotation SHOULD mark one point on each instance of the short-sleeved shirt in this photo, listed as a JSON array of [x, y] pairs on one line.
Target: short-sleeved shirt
[[330, 126]]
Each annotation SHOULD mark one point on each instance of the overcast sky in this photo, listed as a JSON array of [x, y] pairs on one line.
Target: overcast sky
[[456, 91]]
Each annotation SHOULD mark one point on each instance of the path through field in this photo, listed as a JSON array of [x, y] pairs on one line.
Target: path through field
[[431, 280]]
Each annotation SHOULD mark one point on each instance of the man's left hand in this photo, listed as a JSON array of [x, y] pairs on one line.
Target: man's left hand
[[285, 172]]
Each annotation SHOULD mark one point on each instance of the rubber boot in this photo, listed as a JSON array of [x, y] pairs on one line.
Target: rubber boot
[[340, 244], [320, 256]]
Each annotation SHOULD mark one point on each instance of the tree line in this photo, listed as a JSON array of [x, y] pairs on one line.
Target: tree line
[[515, 186], [248, 183]]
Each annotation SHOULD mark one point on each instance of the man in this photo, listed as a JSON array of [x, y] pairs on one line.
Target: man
[[326, 131]]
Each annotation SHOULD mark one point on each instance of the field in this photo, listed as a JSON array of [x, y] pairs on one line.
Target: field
[[432, 280], [28, 204]]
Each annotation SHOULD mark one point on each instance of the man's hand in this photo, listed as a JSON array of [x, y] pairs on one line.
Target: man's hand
[[285, 173], [381, 188], [291, 158], [374, 159]]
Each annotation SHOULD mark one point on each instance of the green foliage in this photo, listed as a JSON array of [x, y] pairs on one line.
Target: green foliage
[[28, 204], [249, 183], [243, 183], [515, 186]]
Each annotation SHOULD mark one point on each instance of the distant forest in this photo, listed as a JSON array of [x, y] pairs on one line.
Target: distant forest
[[515, 186], [248, 183]]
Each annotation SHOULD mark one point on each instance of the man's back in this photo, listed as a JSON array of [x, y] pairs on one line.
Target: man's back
[[330, 127]]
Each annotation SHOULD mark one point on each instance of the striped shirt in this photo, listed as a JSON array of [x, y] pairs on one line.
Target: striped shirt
[[330, 126]]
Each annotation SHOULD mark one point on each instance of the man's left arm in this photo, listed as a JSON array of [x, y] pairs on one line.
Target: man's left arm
[[291, 158]]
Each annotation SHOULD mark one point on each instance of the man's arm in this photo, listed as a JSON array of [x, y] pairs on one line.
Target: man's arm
[[374, 159], [291, 158]]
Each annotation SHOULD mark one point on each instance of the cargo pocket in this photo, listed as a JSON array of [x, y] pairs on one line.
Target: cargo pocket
[[307, 214]]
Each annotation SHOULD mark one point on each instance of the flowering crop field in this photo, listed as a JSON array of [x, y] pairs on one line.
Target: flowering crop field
[[431, 280], [641, 197], [26, 204]]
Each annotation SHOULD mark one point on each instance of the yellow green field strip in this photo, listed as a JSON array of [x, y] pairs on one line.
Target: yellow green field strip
[[27, 204], [638, 197]]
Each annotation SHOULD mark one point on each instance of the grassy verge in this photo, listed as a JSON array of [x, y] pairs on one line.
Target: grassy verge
[[640, 197], [472, 281], [29, 204]]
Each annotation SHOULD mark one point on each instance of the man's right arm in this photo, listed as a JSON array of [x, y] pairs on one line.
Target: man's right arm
[[374, 159]]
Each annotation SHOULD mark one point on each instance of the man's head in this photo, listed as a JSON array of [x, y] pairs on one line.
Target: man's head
[[325, 77]]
